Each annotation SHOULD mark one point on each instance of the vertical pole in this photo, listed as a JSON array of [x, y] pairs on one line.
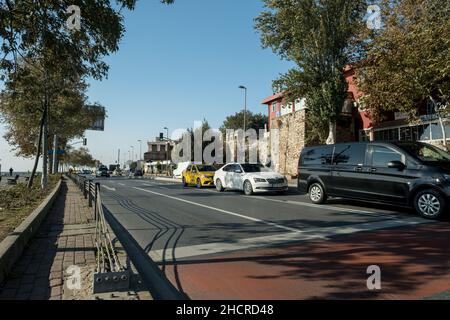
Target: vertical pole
[[44, 180], [245, 111], [55, 154]]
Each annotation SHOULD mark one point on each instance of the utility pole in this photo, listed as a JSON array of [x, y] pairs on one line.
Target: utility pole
[[245, 107]]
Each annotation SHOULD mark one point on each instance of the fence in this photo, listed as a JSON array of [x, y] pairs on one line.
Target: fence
[[109, 274]]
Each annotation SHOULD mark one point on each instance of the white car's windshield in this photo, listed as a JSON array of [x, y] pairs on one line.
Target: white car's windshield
[[249, 168]]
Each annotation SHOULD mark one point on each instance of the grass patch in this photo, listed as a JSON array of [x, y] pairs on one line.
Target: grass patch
[[17, 203]]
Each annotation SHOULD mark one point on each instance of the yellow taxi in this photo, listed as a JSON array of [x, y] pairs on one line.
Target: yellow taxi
[[199, 174]]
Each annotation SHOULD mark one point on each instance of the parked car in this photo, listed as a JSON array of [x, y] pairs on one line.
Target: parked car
[[138, 173], [411, 174], [250, 178], [199, 175], [102, 171]]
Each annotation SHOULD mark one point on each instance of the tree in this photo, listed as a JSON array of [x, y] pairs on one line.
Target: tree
[[407, 62], [22, 109], [236, 121], [79, 157], [319, 36], [40, 31]]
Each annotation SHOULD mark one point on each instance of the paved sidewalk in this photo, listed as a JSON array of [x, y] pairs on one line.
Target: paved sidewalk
[[64, 239], [39, 274]]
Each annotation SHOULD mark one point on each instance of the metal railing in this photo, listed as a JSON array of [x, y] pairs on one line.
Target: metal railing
[[109, 274]]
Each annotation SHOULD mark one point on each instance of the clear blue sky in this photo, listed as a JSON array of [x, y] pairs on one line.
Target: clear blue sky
[[177, 64]]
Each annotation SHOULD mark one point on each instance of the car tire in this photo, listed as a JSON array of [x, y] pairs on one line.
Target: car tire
[[199, 184], [430, 204], [184, 182], [316, 193], [219, 186], [248, 188]]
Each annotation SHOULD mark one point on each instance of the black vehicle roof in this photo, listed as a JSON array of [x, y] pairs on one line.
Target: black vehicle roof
[[396, 143]]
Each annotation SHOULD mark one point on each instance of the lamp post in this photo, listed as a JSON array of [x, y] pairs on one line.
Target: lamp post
[[140, 149], [132, 153], [245, 107]]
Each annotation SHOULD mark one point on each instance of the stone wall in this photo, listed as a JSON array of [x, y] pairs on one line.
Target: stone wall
[[292, 131]]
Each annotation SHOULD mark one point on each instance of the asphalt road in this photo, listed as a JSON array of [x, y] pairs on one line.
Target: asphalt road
[[177, 225]]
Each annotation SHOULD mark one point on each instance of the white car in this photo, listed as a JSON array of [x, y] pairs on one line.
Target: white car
[[250, 178]]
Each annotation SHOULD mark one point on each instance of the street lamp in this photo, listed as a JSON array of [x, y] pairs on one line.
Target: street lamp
[[245, 107], [140, 150], [132, 153]]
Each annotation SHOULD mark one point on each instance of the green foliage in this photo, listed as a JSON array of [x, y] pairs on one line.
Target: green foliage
[[236, 121], [22, 104], [79, 157], [407, 61], [133, 166], [320, 37]]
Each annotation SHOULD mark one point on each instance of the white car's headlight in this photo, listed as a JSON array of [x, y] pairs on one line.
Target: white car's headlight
[[259, 180]]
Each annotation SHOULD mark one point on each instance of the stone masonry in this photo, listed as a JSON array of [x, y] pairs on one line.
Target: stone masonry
[[292, 132]]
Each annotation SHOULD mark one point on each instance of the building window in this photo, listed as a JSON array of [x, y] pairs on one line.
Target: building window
[[364, 135], [274, 107], [426, 132]]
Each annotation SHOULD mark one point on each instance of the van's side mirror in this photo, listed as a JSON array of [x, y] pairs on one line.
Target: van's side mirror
[[397, 165]]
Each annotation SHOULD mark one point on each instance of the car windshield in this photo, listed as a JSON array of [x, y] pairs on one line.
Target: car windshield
[[254, 168], [206, 168], [426, 153]]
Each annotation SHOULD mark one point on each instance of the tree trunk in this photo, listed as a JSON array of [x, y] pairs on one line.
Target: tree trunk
[[44, 180], [38, 151], [331, 133], [441, 122]]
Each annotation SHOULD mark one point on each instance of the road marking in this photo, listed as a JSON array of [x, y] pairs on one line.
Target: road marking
[[312, 205], [222, 211], [258, 242], [155, 185], [108, 188], [121, 184]]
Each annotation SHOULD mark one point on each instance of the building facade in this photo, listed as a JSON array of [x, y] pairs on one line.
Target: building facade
[[355, 124]]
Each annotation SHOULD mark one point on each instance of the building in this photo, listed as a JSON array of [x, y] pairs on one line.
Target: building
[[159, 150], [355, 124]]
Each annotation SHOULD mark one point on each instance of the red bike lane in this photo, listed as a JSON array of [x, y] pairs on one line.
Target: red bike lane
[[414, 264]]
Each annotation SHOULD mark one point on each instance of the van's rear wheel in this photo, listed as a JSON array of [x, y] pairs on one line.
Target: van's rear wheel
[[316, 193], [430, 204]]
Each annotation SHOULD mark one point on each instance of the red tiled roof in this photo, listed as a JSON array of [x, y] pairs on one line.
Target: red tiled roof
[[272, 98]]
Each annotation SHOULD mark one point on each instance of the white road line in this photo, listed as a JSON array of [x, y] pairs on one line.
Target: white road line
[[108, 188], [258, 242], [306, 204], [121, 184], [222, 211], [155, 185]]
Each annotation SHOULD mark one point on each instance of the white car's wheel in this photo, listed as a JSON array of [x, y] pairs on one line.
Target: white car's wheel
[[219, 186], [248, 188]]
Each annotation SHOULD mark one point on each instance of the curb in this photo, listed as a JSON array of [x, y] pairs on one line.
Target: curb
[[12, 247]]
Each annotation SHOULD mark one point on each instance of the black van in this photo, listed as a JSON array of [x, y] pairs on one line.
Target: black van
[[402, 173]]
